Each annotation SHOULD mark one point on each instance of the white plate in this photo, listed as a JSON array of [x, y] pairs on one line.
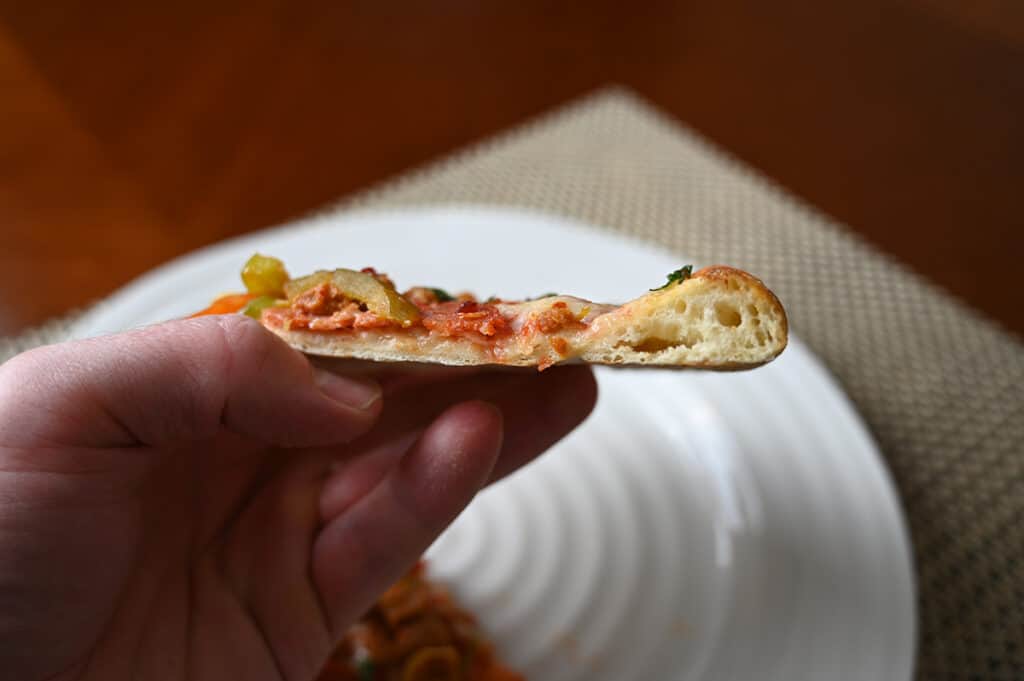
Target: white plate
[[698, 526]]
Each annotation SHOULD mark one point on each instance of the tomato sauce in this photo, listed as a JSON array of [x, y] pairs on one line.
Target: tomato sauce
[[460, 318], [553, 319], [323, 308]]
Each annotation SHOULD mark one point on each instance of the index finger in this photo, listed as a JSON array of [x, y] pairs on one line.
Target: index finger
[[538, 410]]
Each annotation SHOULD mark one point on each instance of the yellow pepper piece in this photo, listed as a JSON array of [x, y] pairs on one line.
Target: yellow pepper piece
[[293, 288], [381, 299], [255, 307], [264, 276]]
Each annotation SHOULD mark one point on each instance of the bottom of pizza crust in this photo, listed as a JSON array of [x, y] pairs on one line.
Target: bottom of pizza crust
[[716, 318]]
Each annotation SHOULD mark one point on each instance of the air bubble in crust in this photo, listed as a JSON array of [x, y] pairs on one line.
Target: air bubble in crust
[[727, 314]]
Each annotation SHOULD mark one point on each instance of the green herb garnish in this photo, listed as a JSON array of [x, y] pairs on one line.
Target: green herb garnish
[[682, 274], [442, 295], [544, 295]]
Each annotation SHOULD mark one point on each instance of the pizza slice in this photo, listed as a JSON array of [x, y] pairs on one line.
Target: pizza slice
[[718, 317], [416, 632]]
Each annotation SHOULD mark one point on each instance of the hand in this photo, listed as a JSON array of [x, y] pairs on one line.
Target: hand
[[193, 501]]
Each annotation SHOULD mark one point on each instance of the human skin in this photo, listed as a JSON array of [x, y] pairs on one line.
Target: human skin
[[195, 501]]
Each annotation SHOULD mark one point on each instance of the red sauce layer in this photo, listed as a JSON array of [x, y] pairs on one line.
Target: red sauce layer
[[555, 318], [323, 308], [457, 318]]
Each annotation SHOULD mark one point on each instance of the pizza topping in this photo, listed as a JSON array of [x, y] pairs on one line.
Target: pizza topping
[[442, 295], [456, 318], [555, 318], [226, 304], [373, 290], [255, 307], [294, 287], [422, 296], [264, 276], [322, 309], [680, 275], [321, 299], [379, 276], [349, 317]]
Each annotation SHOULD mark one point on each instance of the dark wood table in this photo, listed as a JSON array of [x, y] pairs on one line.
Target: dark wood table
[[133, 133]]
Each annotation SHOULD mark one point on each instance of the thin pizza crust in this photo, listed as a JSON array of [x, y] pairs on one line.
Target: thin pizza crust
[[718, 318]]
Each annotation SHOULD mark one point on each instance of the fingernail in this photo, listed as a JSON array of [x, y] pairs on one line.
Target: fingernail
[[357, 393]]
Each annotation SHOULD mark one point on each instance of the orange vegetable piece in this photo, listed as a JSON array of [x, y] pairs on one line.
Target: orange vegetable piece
[[232, 302]]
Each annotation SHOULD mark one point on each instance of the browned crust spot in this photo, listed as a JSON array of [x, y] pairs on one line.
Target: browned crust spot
[[733, 276]]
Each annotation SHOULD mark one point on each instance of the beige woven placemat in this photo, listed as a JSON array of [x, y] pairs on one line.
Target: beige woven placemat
[[941, 387]]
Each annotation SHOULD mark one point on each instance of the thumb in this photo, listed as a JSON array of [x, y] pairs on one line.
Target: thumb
[[177, 382]]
